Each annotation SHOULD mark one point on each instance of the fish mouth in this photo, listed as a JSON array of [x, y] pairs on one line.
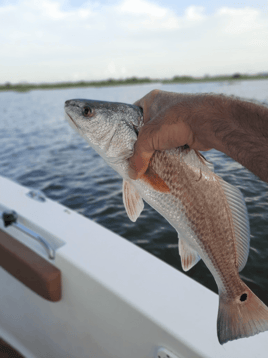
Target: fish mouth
[[72, 120]]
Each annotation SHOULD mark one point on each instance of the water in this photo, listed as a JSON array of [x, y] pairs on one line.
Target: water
[[40, 150]]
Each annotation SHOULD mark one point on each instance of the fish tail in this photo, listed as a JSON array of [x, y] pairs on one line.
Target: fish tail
[[244, 316]]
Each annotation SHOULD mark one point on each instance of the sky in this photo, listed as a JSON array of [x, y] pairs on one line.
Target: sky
[[68, 40]]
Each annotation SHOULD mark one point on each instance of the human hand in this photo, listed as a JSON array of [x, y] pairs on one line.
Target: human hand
[[168, 123]]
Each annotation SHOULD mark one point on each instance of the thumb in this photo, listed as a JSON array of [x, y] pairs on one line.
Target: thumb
[[143, 151]]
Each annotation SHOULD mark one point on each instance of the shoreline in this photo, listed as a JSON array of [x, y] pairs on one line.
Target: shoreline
[[129, 81]]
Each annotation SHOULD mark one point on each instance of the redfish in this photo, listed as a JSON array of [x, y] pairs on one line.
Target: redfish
[[209, 214]]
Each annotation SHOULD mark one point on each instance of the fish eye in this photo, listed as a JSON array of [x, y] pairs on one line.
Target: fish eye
[[87, 111]]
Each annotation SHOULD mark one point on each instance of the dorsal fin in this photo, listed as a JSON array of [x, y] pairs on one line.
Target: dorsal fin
[[210, 165], [204, 161], [240, 219], [132, 200], [195, 159], [200, 157]]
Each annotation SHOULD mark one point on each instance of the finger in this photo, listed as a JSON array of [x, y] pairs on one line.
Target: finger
[[143, 151], [149, 97], [138, 164], [140, 102], [145, 103]]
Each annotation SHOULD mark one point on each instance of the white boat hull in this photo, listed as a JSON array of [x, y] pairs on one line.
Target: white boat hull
[[117, 301]]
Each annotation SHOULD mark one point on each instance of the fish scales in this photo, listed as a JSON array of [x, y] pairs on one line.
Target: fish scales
[[202, 198], [209, 214]]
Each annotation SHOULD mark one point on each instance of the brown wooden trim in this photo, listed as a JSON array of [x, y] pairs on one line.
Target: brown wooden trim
[[6, 351], [28, 267]]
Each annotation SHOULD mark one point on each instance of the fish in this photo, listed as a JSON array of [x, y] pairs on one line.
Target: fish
[[209, 214]]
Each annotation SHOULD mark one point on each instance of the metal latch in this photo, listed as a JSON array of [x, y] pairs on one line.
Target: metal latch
[[10, 217], [166, 353], [37, 195]]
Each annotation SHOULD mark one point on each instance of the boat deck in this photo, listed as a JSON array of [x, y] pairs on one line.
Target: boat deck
[[118, 301]]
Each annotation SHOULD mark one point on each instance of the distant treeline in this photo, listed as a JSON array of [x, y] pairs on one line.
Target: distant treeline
[[128, 81]]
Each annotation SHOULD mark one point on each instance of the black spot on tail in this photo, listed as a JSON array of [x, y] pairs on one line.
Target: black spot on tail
[[243, 297]]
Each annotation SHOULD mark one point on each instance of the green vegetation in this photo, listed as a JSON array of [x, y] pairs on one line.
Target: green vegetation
[[22, 87], [234, 77]]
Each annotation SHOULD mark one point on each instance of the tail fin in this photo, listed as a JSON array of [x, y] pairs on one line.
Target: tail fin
[[241, 317]]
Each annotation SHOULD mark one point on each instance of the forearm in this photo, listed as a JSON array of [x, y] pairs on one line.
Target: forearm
[[237, 128], [203, 121]]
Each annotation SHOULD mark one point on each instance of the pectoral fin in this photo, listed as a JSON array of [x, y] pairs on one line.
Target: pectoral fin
[[189, 257], [153, 179], [132, 200]]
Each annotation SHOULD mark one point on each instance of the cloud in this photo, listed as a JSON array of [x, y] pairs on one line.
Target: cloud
[[239, 21], [195, 13], [47, 40], [141, 7]]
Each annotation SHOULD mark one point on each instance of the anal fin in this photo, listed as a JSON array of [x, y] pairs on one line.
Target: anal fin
[[189, 257], [132, 200]]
